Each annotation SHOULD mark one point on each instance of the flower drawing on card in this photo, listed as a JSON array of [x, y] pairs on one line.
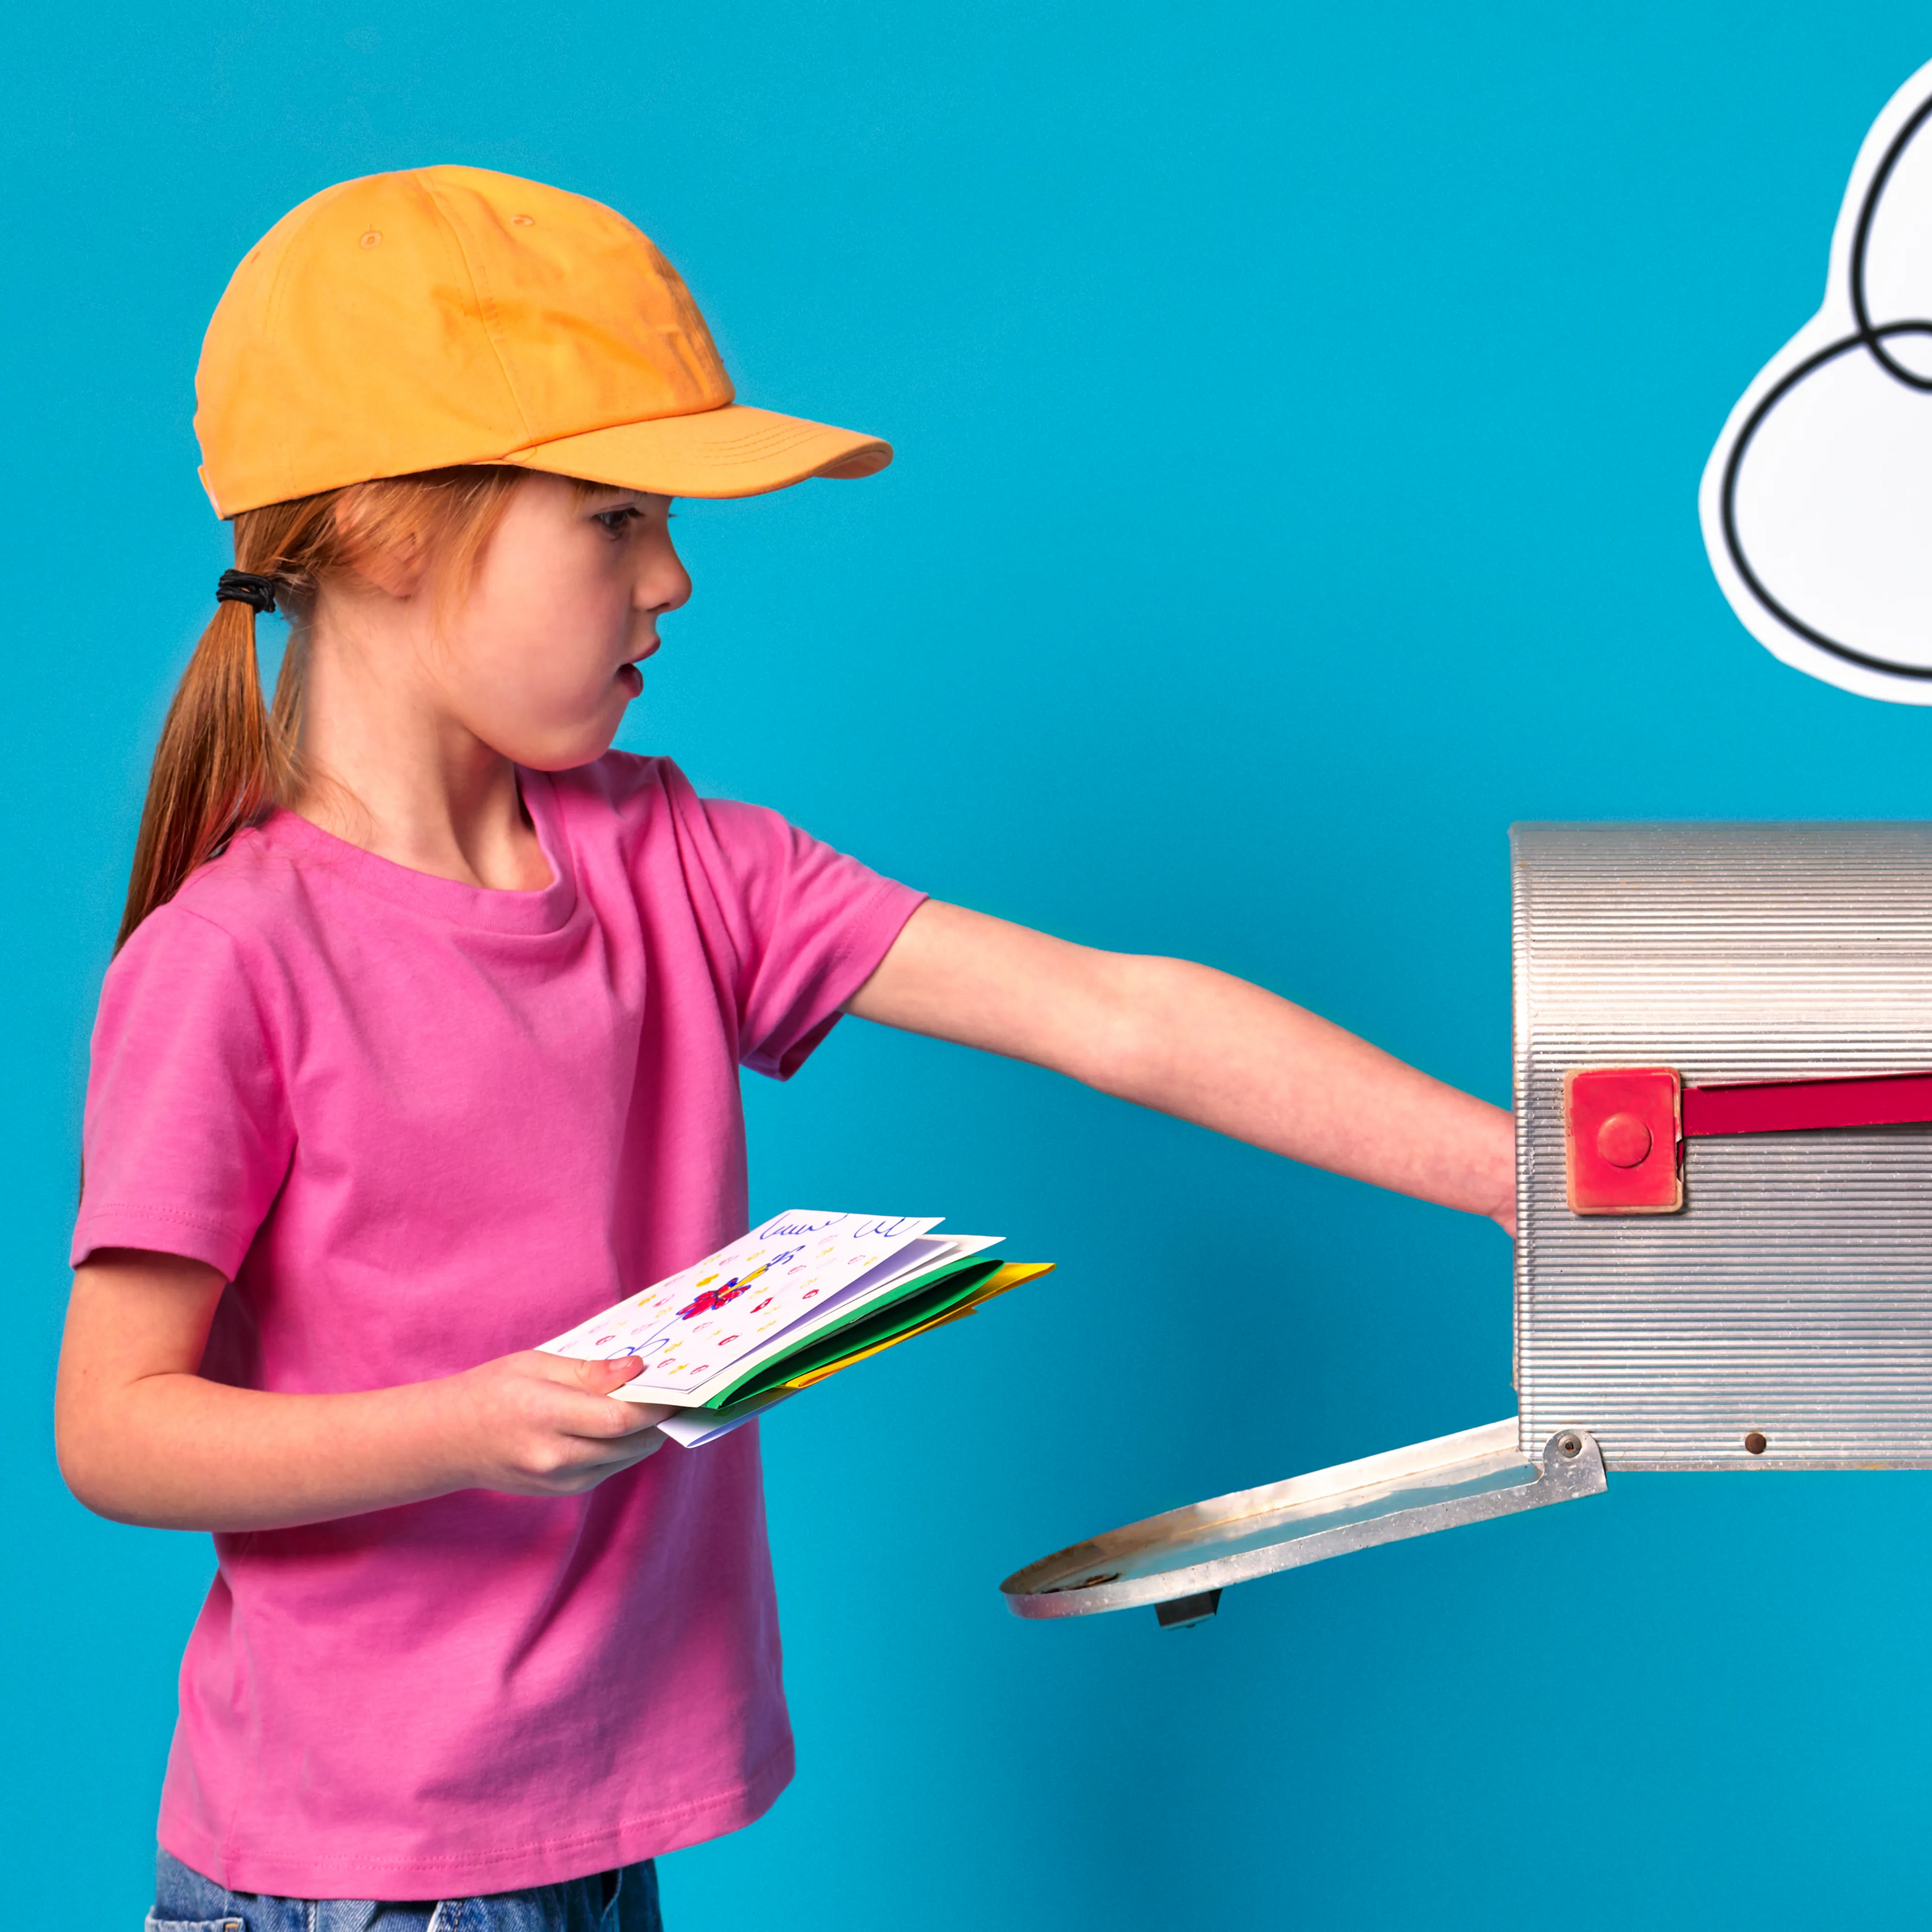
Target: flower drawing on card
[[796, 1265]]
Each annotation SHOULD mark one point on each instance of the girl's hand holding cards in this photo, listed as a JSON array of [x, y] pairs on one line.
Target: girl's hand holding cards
[[538, 1425]]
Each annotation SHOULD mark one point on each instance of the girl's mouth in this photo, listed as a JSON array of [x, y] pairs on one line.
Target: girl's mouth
[[631, 678]]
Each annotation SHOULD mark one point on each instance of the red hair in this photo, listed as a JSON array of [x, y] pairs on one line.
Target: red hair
[[226, 759]]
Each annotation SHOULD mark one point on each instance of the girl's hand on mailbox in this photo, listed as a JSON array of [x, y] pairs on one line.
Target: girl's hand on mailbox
[[1505, 1216], [1200, 1044]]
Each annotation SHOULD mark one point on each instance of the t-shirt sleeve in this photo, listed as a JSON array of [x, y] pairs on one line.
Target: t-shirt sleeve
[[187, 1137], [809, 926]]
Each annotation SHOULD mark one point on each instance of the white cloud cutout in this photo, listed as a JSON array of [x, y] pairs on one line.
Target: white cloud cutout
[[1816, 503]]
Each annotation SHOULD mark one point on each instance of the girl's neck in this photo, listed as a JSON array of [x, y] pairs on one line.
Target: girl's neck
[[389, 769]]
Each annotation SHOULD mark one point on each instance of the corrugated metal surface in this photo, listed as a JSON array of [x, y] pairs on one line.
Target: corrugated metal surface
[[1793, 1294]]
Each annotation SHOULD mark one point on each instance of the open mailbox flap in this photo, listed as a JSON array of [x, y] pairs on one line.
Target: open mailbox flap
[[1723, 1105], [1181, 1561]]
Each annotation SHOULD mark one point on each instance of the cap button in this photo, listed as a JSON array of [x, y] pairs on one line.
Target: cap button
[[372, 238]]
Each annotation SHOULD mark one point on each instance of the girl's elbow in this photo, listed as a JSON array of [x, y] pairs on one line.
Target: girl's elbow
[[1125, 1041], [94, 1466]]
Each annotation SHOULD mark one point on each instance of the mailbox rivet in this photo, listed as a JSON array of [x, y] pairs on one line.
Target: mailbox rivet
[[1624, 1141], [1755, 1445], [1571, 1446]]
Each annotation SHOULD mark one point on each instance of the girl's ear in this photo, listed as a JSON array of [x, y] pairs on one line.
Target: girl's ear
[[389, 552]]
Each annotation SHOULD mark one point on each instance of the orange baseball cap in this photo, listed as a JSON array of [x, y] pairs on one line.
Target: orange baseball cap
[[443, 316]]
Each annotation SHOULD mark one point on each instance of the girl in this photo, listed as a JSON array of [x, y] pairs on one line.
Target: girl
[[423, 1040]]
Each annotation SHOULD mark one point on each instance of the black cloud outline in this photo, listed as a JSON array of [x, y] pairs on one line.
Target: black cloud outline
[[1872, 339]]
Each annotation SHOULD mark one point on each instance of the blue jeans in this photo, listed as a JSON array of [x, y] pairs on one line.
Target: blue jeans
[[625, 1900]]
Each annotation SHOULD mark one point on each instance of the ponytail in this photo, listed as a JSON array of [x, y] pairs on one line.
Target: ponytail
[[222, 762], [226, 759]]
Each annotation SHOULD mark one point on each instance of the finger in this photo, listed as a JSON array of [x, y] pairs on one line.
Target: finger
[[574, 1372], [656, 1411], [600, 1418], [586, 1464], [601, 1378]]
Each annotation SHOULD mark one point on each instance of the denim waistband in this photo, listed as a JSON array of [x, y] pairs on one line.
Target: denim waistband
[[624, 1900]]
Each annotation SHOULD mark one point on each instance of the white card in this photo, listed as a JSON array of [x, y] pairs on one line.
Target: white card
[[697, 1426], [849, 1302], [706, 1318]]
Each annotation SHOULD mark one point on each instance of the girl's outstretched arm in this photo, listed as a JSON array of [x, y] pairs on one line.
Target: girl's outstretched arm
[[1199, 1044], [143, 1438]]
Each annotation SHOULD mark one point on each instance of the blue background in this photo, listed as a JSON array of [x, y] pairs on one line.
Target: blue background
[[1299, 412]]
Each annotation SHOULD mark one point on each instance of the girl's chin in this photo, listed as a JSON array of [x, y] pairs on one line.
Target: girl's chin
[[563, 755]]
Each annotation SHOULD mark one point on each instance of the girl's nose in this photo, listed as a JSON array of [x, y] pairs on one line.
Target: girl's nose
[[665, 586]]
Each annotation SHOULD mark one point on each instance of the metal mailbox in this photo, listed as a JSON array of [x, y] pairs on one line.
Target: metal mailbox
[[1722, 1083]]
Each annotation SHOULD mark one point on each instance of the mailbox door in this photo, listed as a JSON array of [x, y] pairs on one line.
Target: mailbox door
[[1782, 1316]]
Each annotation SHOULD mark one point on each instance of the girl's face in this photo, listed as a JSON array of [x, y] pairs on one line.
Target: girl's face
[[541, 659]]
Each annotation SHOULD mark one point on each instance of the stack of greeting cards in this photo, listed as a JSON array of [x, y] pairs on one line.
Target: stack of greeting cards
[[795, 1300]]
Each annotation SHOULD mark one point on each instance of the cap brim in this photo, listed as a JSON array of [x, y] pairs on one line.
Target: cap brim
[[732, 452]]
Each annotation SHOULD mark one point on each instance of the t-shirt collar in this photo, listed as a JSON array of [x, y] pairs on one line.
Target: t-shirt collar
[[483, 907]]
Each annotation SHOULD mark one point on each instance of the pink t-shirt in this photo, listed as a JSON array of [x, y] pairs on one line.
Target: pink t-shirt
[[419, 1125]]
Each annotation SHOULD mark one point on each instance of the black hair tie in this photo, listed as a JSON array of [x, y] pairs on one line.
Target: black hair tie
[[244, 586]]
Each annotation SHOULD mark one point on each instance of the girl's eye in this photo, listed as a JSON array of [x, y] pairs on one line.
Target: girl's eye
[[615, 522]]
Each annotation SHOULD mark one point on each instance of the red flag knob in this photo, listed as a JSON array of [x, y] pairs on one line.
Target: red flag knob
[[1624, 1141]]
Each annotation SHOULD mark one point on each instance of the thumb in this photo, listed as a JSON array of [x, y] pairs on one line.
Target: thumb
[[601, 1378]]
